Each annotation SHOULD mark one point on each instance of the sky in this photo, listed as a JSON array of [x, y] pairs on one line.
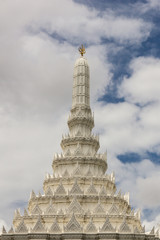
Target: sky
[[38, 45]]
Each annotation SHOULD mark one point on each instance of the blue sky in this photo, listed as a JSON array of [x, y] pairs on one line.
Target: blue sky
[[38, 45]]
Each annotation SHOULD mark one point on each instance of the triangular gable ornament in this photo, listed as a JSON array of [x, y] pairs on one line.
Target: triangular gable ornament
[[75, 207], [89, 172], [49, 192], [68, 153], [36, 210], [75, 188], [88, 153], [124, 227], [50, 209], [77, 172], [66, 174], [60, 212], [113, 210], [39, 227], [55, 228], [60, 190], [78, 152], [78, 134], [99, 209], [103, 191], [107, 226], [91, 190], [22, 228], [73, 225], [91, 228]]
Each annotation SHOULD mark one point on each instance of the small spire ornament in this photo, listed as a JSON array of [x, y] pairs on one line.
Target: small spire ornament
[[82, 50]]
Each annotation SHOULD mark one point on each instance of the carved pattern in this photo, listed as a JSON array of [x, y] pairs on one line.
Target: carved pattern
[[73, 225], [75, 207], [60, 212], [66, 174], [107, 226], [88, 153], [55, 228], [50, 209], [91, 190], [78, 134], [113, 210], [103, 191], [89, 173], [76, 189], [36, 210], [49, 192], [39, 227], [99, 209], [22, 228], [124, 227], [68, 153], [77, 172], [78, 151], [60, 190], [91, 228]]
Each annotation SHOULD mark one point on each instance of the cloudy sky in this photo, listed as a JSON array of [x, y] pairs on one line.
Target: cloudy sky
[[38, 48]]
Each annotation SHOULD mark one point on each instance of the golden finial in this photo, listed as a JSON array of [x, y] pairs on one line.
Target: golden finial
[[82, 50]]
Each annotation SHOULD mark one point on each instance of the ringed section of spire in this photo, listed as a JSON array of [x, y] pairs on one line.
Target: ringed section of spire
[[80, 145], [80, 95]]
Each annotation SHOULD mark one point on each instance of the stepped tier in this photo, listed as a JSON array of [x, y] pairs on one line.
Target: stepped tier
[[80, 144], [83, 164], [80, 199]]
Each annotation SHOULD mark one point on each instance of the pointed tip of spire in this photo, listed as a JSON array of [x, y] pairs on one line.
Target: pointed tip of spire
[[82, 50]]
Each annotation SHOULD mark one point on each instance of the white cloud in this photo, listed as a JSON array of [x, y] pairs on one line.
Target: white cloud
[[126, 127], [143, 86], [36, 83], [153, 4]]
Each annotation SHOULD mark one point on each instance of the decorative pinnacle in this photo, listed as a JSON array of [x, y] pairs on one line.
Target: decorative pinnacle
[[82, 50]]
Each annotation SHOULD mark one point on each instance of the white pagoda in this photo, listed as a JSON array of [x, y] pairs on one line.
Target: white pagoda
[[80, 199]]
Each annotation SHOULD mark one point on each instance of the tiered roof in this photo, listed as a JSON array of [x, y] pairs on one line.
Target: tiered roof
[[80, 197]]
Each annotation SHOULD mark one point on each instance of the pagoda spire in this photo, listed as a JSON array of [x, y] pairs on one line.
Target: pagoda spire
[[81, 88]]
